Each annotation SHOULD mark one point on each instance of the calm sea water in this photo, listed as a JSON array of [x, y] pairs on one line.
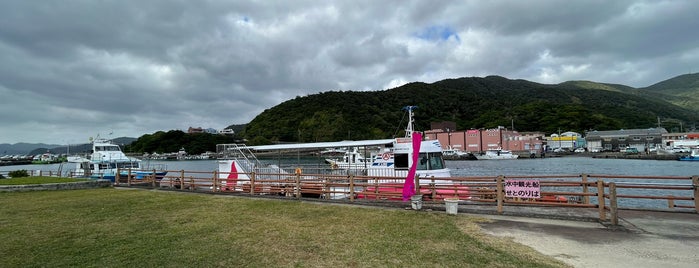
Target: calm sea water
[[574, 165], [537, 166]]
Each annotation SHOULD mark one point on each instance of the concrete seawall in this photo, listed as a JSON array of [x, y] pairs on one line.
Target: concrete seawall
[[56, 186]]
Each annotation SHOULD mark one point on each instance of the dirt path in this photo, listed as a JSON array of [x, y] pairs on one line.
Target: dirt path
[[643, 239]]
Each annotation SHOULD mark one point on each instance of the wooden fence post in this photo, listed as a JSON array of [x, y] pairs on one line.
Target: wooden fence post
[[417, 184], [252, 183], [376, 188], [117, 177], [433, 189], [613, 213], [600, 200], [695, 183], [500, 194], [182, 179], [215, 182], [585, 190], [298, 186], [351, 183], [671, 202], [154, 177]]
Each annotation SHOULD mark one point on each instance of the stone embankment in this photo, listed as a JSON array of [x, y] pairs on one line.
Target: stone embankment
[[57, 186]]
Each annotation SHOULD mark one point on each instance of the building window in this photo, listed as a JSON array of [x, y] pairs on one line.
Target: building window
[[637, 138]]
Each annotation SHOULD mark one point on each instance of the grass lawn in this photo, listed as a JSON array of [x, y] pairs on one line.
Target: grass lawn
[[36, 180], [110, 227]]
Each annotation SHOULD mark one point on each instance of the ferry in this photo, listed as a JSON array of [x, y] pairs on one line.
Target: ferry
[[392, 166], [106, 159]]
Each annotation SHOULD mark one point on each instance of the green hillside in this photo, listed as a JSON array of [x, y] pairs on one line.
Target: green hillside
[[682, 91], [472, 102]]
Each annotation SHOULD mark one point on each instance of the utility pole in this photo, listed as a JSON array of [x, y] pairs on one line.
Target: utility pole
[[559, 138], [449, 137]]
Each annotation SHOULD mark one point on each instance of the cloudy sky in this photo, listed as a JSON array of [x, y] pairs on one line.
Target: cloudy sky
[[70, 70]]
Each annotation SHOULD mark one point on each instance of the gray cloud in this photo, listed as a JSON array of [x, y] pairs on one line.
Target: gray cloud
[[74, 69]]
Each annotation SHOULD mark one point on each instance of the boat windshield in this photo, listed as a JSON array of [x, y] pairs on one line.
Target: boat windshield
[[430, 161], [107, 148]]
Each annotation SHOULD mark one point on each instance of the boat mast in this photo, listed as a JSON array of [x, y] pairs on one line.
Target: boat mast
[[409, 129]]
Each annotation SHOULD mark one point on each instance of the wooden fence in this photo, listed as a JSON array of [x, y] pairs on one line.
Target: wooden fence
[[607, 193]]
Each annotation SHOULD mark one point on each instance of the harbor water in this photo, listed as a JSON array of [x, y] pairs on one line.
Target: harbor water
[[536, 166]]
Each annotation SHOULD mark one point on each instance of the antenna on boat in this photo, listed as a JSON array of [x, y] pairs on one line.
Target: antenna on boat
[[409, 129]]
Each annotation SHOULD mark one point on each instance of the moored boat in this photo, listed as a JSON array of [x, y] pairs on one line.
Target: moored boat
[[496, 154], [107, 160], [693, 156], [397, 159], [350, 160]]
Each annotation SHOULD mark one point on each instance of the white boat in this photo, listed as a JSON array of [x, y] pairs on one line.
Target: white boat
[[496, 154], [390, 167], [454, 152], [350, 160], [106, 159]]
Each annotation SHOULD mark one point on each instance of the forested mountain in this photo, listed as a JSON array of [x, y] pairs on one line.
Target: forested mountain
[[173, 140], [472, 102], [682, 90]]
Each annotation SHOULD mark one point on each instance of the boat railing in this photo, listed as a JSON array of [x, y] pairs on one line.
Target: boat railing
[[240, 152]]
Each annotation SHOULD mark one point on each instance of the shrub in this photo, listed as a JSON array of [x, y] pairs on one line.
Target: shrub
[[18, 173], [1, 176]]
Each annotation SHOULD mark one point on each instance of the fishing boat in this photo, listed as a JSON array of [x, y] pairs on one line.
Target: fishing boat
[[457, 154], [454, 152], [107, 159], [693, 156], [496, 154]]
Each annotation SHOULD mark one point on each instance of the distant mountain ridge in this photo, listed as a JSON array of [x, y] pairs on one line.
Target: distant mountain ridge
[[477, 102], [22, 148], [40, 148], [682, 91]]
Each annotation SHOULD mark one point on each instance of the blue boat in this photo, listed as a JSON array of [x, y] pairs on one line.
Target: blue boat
[[693, 156]]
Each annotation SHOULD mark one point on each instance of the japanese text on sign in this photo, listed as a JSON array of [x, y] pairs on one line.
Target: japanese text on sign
[[522, 188]]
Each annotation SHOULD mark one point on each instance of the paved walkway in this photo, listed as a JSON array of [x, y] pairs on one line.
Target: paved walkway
[[642, 238]]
